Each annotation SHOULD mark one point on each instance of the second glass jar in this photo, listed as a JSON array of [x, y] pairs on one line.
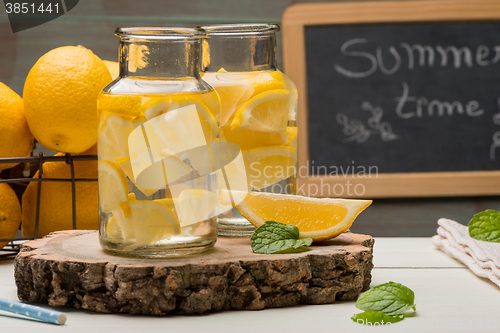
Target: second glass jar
[[258, 110]]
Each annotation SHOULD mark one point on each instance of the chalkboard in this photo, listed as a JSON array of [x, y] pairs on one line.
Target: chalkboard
[[400, 98], [387, 106]]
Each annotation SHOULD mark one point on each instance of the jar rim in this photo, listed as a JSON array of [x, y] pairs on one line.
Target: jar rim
[[241, 29], [160, 33]]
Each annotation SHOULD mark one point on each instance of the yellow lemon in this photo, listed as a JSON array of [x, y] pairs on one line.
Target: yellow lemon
[[264, 81], [152, 179], [124, 163], [138, 121], [169, 203], [129, 105], [232, 93], [319, 219], [166, 202], [10, 213], [152, 222], [113, 229], [235, 88], [56, 199], [196, 205], [160, 105], [113, 187], [16, 138], [60, 98], [113, 68], [267, 112], [212, 100], [154, 107], [268, 165], [249, 139], [120, 225], [114, 130]]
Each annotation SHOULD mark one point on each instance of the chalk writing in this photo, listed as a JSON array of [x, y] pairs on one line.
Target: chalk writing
[[424, 107], [425, 55], [358, 132]]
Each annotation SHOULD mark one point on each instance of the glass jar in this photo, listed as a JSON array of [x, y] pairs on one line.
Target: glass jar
[[258, 110], [157, 121]]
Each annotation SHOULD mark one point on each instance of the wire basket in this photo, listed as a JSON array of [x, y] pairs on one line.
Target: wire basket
[[12, 248]]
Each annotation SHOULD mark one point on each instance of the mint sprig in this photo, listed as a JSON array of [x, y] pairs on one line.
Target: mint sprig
[[276, 237], [392, 298], [485, 226], [384, 303], [373, 317]]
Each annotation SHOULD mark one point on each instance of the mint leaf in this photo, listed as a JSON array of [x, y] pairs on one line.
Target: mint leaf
[[373, 317], [485, 226], [276, 237], [392, 298]]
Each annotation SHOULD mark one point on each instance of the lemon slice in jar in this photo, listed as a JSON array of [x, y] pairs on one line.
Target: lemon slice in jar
[[268, 165], [152, 222], [266, 112], [113, 187]]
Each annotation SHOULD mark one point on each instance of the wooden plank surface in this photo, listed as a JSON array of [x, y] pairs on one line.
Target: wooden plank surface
[[444, 296]]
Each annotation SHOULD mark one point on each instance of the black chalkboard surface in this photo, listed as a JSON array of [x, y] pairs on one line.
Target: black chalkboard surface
[[407, 98], [396, 98]]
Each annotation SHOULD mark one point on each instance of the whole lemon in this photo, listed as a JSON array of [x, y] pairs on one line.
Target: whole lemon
[[10, 213], [60, 98], [56, 199], [16, 138]]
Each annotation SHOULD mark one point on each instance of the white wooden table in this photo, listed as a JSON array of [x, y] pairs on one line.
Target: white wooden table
[[449, 298]]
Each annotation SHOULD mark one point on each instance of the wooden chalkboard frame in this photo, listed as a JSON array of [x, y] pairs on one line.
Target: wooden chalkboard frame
[[388, 185]]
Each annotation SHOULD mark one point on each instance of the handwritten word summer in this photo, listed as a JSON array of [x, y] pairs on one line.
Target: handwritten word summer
[[423, 55]]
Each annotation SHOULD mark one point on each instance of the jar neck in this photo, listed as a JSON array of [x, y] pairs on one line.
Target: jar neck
[[164, 58], [239, 52]]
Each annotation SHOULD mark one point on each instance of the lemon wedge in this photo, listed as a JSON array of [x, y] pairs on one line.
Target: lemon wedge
[[160, 105], [155, 106], [235, 88], [113, 187], [113, 230], [264, 81], [168, 203], [114, 130], [232, 92], [124, 163], [249, 139], [196, 205], [152, 222], [268, 165], [319, 219], [152, 177], [267, 112], [129, 105], [138, 121]]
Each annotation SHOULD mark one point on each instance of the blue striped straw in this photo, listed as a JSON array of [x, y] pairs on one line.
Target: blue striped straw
[[31, 311]]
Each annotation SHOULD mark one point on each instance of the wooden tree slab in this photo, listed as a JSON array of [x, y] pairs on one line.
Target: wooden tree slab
[[69, 268]]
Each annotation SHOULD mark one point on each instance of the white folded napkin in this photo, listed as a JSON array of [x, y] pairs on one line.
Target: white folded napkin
[[483, 258]]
